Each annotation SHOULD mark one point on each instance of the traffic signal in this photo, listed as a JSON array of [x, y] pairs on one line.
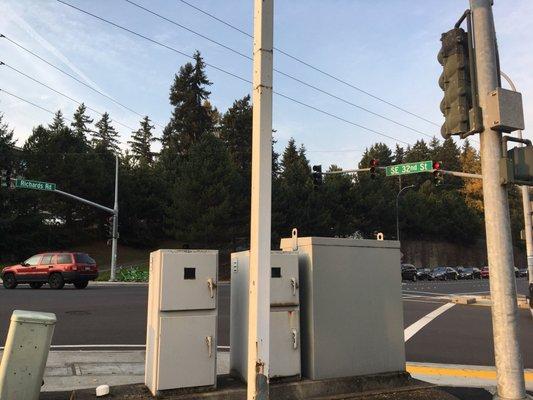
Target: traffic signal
[[110, 226], [455, 81], [5, 178], [373, 165], [317, 176], [438, 177]]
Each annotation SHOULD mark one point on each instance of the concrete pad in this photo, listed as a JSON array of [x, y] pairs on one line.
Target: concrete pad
[[464, 300], [119, 369]]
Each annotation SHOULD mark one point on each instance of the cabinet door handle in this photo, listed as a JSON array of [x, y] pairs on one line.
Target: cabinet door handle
[[294, 285], [209, 343], [212, 286], [294, 339]]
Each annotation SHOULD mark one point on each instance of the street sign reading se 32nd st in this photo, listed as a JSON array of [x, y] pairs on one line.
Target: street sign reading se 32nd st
[[36, 185], [410, 168]]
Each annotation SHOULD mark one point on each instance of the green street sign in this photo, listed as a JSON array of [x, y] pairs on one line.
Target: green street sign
[[411, 168], [36, 185]]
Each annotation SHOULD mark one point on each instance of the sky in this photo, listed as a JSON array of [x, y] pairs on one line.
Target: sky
[[387, 48]]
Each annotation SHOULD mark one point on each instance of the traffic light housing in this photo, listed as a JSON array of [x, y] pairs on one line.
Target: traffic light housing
[[373, 165], [317, 176], [455, 81], [5, 178], [438, 176], [110, 226]]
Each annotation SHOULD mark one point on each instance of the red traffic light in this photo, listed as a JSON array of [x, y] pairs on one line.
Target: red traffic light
[[437, 165], [374, 162]]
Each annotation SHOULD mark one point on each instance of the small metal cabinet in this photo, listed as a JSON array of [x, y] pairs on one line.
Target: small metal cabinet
[[182, 320], [284, 315], [351, 302]]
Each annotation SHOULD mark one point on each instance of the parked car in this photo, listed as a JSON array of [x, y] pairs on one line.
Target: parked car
[[469, 273], [444, 274], [485, 273], [56, 269], [423, 274], [523, 272], [408, 272]]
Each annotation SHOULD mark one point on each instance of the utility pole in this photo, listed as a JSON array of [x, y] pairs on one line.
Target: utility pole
[[112, 277], [510, 370], [260, 224], [526, 205]]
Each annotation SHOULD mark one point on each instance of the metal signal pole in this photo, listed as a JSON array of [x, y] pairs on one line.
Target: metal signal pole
[[112, 277], [510, 371], [260, 235]]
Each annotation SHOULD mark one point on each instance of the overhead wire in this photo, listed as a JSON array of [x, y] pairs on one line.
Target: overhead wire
[[287, 75], [168, 47], [31, 103], [309, 65], [61, 93], [76, 78]]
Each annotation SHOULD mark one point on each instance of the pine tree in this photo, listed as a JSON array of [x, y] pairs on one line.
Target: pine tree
[[201, 211], [81, 121], [236, 133], [58, 122], [141, 143], [105, 138], [191, 117], [399, 155]]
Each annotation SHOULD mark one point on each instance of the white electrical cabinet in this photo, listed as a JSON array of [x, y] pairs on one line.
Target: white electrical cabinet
[[352, 310], [181, 345], [284, 315]]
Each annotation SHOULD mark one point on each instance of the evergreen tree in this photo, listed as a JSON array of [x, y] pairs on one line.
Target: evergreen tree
[[58, 122], [201, 211], [399, 155], [81, 121], [191, 117], [141, 143], [295, 200], [105, 138], [236, 133]]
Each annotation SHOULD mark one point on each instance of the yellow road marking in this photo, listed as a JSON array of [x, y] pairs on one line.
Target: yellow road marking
[[459, 372]]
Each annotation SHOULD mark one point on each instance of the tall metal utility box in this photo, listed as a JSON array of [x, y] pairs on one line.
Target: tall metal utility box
[[351, 302], [284, 315], [181, 345]]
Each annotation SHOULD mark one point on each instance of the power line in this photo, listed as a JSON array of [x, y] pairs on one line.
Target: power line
[[336, 151], [75, 78], [31, 103], [292, 77], [61, 93], [228, 72], [299, 60]]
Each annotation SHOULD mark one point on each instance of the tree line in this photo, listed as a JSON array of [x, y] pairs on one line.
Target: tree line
[[196, 190]]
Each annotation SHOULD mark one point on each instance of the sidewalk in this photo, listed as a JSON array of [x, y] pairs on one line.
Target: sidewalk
[[86, 369]]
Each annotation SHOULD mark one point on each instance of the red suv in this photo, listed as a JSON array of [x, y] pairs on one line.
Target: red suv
[[56, 269]]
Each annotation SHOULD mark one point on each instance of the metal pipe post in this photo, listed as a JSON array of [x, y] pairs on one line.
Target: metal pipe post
[[510, 371], [260, 224], [526, 205], [112, 277], [398, 212]]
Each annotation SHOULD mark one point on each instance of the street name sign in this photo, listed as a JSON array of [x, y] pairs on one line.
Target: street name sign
[[36, 185], [410, 168]]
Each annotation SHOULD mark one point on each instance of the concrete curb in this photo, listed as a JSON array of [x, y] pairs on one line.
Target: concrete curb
[[486, 301]]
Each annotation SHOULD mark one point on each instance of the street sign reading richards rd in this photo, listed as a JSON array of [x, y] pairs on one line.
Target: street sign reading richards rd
[[26, 184], [411, 168]]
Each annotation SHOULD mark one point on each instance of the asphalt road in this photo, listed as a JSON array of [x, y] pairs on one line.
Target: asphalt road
[[116, 315]]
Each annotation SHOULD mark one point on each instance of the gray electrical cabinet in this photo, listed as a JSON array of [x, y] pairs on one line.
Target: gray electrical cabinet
[[284, 315], [181, 345], [351, 302]]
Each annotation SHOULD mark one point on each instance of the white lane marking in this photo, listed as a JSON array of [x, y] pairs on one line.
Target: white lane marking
[[413, 329]]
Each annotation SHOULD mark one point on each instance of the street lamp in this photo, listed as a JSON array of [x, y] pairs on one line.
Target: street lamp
[[397, 211]]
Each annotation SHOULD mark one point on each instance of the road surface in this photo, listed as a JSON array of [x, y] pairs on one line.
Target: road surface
[[116, 315]]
